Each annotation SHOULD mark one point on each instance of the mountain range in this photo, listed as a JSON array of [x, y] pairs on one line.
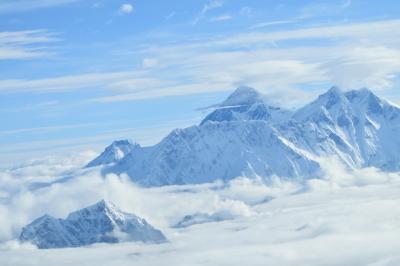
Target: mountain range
[[246, 136]]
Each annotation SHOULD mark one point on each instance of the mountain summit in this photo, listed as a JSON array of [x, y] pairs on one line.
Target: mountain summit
[[102, 222], [243, 96], [245, 103], [245, 136], [114, 153]]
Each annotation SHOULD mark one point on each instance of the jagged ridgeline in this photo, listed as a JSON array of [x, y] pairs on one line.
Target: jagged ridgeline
[[246, 136]]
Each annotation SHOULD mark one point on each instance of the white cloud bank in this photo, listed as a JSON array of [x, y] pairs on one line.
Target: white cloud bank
[[348, 218]]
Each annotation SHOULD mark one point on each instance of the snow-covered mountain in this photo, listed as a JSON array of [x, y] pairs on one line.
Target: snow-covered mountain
[[114, 153], [216, 150], [102, 222], [357, 127], [246, 136]]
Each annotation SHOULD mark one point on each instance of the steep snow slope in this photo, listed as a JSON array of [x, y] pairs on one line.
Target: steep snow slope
[[216, 150], [377, 130], [101, 222]]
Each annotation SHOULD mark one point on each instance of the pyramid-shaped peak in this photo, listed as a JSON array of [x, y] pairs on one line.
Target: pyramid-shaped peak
[[332, 97], [94, 224], [121, 147], [243, 95], [245, 90], [123, 142], [335, 90], [115, 152], [102, 204], [333, 93], [101, 207]]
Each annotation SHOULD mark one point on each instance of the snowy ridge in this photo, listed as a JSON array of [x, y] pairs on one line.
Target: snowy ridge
[[247, 137], [102, 222]]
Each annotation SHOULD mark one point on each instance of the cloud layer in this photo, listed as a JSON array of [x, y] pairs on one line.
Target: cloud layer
[[348, 218]]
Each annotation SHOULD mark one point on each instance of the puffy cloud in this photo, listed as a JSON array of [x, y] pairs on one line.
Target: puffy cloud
[[126, 9]]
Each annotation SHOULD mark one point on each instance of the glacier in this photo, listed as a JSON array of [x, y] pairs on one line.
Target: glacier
[[102, 222], [247, 136]]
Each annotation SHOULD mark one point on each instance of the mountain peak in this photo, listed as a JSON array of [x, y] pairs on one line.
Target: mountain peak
[[333, 93], [361, 94], [243, 95], [367, 101], [330, 98], [246, 104], [102, 207], [122, 142], [102, 222], [114, 153], [335, 90]]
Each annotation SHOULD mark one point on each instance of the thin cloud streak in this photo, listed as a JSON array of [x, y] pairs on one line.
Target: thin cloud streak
[[221, 18], [25, 44], [272, 23], [14, 6], [212, 4], [361, 55]]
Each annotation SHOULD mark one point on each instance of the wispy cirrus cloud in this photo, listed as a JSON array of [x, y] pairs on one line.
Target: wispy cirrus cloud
[[65, 83], [349, 55], [272, 23], [324, 8], [212, 4], [25, 44], [13, 6], [221, 18]]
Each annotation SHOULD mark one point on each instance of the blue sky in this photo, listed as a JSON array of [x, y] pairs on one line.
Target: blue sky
[[77, 74]]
